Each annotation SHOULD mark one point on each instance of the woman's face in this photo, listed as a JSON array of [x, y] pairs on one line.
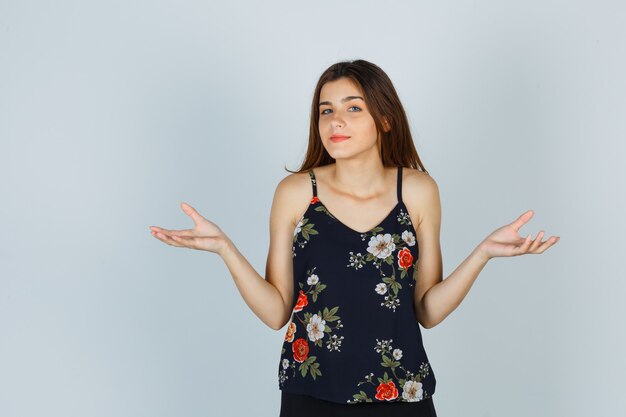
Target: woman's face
[[343, 112]]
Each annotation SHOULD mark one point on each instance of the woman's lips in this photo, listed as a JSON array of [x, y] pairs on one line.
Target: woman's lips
[[339, 138]]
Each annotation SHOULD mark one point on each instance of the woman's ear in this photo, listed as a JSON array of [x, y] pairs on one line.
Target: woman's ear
[[386, 124]]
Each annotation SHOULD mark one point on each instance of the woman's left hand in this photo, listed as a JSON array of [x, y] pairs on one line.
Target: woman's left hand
[[506, 240]]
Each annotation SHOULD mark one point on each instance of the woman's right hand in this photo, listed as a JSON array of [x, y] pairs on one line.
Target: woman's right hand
[[205, 235]]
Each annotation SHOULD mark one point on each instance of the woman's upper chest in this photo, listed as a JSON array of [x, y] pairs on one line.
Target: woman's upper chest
[[362, 214]]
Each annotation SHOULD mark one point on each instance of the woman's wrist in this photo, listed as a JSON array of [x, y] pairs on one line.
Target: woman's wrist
[[228, 247], [482, 255]]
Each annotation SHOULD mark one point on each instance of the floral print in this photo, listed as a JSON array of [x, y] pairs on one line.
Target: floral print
[[385, 387], [380, 249], [381, 246], [366, 281], [305, 229], [316, 325]]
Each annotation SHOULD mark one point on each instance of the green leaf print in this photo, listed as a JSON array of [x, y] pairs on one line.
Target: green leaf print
[[311, 324], [386, 362], [308, 230], [323, 209], [385, 348], [315, 370], [389, 363], [362, 397], [329, 315], [311, 367]]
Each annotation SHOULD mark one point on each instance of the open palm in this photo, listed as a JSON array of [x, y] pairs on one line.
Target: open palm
[[506, 240], [205, 235]]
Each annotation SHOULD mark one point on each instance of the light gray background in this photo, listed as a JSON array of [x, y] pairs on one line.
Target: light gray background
[[113, 112]]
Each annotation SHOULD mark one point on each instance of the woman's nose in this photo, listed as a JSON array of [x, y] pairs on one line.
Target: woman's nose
[[337, 121]]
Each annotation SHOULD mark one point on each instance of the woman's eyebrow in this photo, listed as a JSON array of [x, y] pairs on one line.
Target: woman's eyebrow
[[343, 100]]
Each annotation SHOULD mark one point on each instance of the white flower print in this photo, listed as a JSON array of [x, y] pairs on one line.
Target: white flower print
[[316, 327], [381, 288], [408, 237], [285, 363], [312, 280], [383, 345], [397, 354], [404, 218], [424, 369], [391, 303], [334, 343], [282, 376], [298, 228], [356, 261], [381, 245], [412, 391], [412, 386]]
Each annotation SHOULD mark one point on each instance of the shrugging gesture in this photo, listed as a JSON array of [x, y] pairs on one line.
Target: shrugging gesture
[[506, 241], [205, 235]]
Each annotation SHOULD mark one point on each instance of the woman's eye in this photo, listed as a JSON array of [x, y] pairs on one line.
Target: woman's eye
[[351, 107]]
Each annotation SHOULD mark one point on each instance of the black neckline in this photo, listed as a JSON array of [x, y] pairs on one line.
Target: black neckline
[[400, 203], [380, 223]]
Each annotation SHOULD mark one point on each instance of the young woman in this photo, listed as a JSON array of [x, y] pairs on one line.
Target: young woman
[[346, 232]]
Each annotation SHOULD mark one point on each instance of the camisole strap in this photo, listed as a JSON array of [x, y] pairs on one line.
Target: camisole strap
[[313, 182], [399, 184]]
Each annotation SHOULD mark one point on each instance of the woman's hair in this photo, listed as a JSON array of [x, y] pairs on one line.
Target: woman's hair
[[397, 148]]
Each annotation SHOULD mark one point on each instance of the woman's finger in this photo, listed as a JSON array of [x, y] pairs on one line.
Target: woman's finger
[[522, 220], [545, 245], [186, 232], [193, 213], [164, 238], [523, 248], [537, 242], [160, 229], [188, 242]]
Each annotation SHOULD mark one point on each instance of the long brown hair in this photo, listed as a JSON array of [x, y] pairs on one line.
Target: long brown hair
[[397, 148]]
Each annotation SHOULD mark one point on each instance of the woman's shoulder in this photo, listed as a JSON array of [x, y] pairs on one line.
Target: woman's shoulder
[[294, 192], [416, 178], [302, 180], [420, 192], [294, 183]]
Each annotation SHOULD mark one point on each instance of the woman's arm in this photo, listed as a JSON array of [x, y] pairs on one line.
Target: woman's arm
[[445, 296], [421, 196], [271, 298], [263, 298], [435, 297]]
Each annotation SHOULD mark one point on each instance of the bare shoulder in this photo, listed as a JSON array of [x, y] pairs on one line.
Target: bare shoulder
[[417, 179], [293, 193], [420, 193]]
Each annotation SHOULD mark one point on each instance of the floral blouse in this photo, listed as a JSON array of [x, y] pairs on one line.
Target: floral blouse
[[353, 335]]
